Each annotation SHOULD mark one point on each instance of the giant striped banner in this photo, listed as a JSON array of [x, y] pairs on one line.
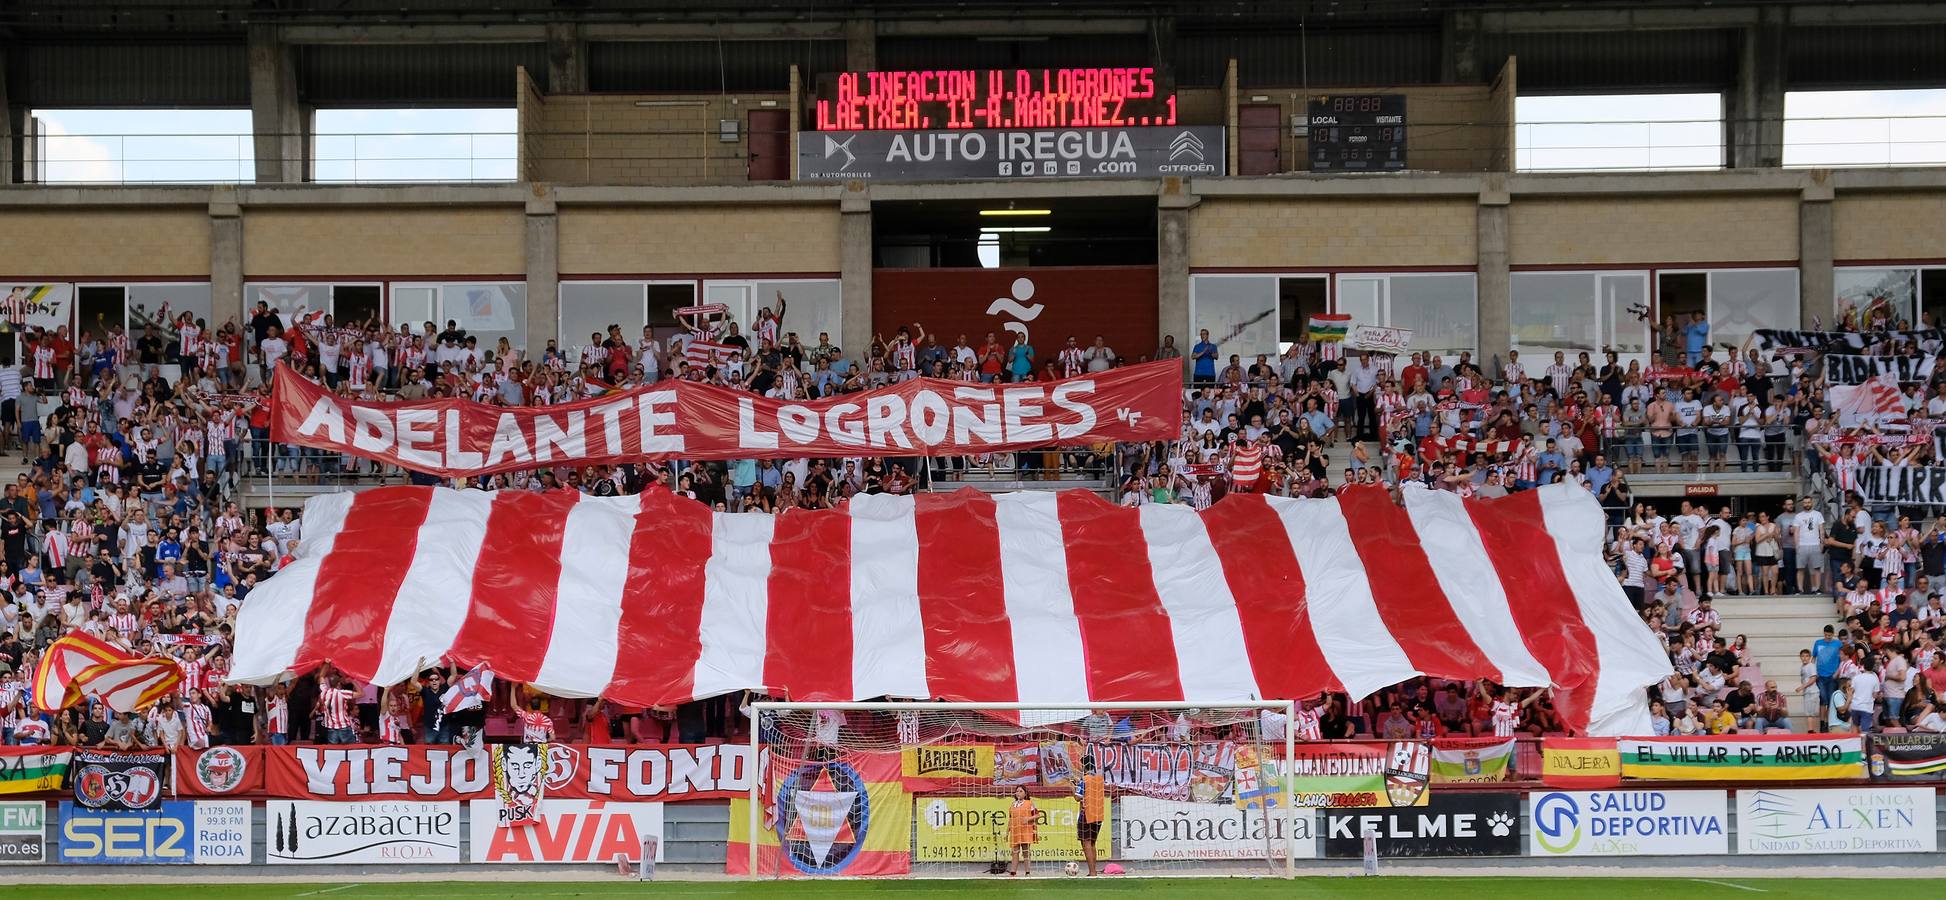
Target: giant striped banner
[[1024, 597]]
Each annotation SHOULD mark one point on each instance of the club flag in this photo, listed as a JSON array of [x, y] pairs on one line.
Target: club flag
[[699, 352], [845, 816], [471, 690], [1463, 760], [1580, 763], [1326, 327], [64, 661], [128, 685], [26, 770]]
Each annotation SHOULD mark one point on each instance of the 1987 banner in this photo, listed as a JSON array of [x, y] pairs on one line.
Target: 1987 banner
[[688, 420]]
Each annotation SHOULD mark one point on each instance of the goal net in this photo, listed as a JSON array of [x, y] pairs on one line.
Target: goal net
[[970, 790]]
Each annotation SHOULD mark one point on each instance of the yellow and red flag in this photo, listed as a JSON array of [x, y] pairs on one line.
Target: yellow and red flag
[[845, 816], [81, 664]]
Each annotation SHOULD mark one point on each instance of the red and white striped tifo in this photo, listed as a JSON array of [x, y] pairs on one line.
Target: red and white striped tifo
[[1035, 597]]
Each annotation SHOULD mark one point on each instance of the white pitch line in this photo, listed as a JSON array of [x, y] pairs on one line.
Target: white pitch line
[[1731, 884], [331, 890]]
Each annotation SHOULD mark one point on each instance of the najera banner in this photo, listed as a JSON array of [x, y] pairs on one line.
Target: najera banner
[[686, 420], [446, 772]]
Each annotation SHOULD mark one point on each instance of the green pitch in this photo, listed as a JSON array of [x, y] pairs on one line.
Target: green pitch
[[1402, 887]]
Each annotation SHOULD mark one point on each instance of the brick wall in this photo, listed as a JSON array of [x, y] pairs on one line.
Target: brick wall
[[383, 241], [107, 242], [1889, 226], [1299, 233], [698, 239], [610, 139], [1653, 229]]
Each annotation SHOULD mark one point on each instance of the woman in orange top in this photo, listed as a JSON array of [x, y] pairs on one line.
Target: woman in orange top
[[1023, 819]]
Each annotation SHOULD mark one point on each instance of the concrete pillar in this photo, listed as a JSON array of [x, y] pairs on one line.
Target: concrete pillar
[[1172, 265], [1459, 48], [861, 49], [1495, 284], [543, 269], [276, 118], [567, 59], [1754, 110], [855, 270], [1816, 291], [226, 257]]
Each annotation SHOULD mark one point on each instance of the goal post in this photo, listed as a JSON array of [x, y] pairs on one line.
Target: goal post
[[1179, 788]]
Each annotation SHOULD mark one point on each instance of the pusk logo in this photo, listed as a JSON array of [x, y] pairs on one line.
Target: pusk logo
[[834, 146], [1022, 290], [1185, 144]]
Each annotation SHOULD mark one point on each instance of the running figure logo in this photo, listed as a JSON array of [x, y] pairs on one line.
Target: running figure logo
[[1021, 292]]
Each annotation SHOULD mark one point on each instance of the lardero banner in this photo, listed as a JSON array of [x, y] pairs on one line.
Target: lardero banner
[[1453, 824], [671, 419], [1131, 152]]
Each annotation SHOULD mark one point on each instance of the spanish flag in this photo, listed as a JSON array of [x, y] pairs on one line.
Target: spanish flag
[[1580, 763], [850, 815]]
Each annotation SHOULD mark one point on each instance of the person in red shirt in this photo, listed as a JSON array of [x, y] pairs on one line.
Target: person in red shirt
[[63, 353]]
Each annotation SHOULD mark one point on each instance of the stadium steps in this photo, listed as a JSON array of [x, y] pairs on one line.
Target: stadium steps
[[1778, 627]]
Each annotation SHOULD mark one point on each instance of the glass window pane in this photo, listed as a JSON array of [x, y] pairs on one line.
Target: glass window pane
[[288, 298], [737, 296], [412, 306], [489, 311], [1861, 289], [1742, 302], [1553, 311], [1360, 298], [1625, 301], [588, 309], [147, 300], [811, 307], [1239, 312], [1439, 309]]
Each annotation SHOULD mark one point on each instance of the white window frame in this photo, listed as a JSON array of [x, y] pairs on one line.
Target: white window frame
[[1604, 322], [1385, 295], [1330, 298], [384, 295], [1709, 289], [1919, 271], [642, 284]]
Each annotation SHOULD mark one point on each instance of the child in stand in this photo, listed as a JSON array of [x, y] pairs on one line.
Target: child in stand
[[1023, 818]]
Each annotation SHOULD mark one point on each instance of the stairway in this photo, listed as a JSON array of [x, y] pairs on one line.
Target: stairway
[[1778, 627]]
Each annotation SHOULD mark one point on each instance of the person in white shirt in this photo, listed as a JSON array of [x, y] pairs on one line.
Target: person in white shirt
[[1690, 526], [1807, 531], [1864, 699]]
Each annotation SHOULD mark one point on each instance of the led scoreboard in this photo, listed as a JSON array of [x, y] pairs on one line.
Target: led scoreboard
[[969, 99], [1357, 132]]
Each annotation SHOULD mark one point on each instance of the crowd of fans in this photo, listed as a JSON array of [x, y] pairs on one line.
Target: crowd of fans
[[128, 523]]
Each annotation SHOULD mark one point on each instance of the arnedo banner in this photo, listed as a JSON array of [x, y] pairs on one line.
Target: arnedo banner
[[1453, 824], [574, 771], [1731, 757], [671, 419]]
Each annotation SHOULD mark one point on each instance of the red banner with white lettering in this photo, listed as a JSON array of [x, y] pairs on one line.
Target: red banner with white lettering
[[687, 420], [448, 772]]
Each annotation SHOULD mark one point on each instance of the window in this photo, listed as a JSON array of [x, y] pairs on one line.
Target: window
[[1576, 312], [1438, 308], [1744, 300], [488, 311], [1865, 128], [414, 145], [1897, 290], [112, 146], [1619, 131], [1238, 311], [589, 307]]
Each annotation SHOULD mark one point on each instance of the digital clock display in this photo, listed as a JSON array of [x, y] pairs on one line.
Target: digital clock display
[[992, 99], [1357, 133]]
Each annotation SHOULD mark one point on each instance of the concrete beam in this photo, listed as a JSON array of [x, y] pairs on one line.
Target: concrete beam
[[543, 252], [1459, 48], [1494, 285], [226, 257], [442, 33], [1754, 109], [973, 28], [830, 30], [1816, 249], [567, 59], [1669, 18], [861, 45], [277, 120], [1172, 225], [7, 133], [855, 269]]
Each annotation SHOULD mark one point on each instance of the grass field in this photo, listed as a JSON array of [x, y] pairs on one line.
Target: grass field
[[1405, 888]]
